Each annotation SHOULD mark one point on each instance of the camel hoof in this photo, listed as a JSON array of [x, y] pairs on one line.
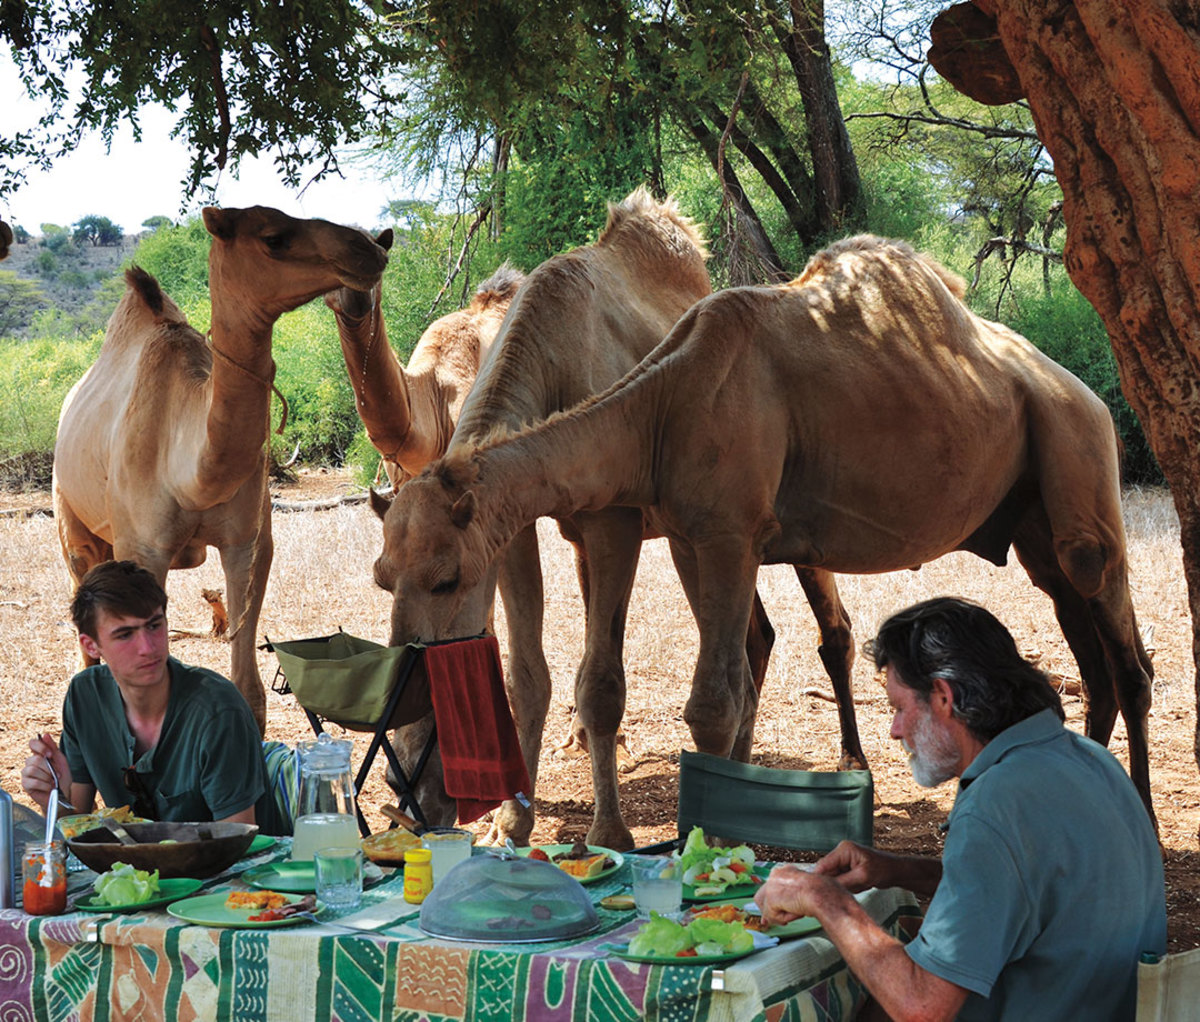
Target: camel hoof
[[618, 838], [851, 762]]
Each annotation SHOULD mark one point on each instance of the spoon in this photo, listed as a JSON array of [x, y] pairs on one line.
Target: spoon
[[51, 815]]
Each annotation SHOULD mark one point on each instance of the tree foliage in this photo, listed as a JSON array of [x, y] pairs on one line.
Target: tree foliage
[[19, 300], [292, 81], [96, 230]]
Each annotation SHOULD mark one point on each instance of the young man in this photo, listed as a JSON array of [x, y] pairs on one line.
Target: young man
[[1050, 884], [172, 741]]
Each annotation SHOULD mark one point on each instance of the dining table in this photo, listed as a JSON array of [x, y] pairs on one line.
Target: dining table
[[147, 964]]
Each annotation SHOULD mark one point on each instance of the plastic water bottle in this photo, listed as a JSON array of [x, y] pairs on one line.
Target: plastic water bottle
[[8, 853]]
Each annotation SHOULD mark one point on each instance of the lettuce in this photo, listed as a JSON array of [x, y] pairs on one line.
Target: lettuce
[[665, 938], [660, 937], [710, 866], [124, 885]]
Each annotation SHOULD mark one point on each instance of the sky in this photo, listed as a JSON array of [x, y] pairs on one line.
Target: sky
[[136, 180]]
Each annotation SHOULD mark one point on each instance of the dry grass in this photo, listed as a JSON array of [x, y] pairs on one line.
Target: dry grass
[[320, 580]]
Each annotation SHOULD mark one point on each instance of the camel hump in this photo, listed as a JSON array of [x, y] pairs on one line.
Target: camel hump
[[143, 286], [642, 212], [499, 287], [883, 250]]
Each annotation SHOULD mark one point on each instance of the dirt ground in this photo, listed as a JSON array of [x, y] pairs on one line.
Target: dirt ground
[[321, 580]]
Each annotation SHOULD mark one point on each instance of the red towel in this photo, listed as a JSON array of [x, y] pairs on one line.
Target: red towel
[[481, 757]]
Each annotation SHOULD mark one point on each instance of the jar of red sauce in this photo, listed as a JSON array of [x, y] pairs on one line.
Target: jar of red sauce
[[44, 869]]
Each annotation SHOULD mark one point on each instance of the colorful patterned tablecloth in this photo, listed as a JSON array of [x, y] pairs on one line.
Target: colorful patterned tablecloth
[[151, 966]]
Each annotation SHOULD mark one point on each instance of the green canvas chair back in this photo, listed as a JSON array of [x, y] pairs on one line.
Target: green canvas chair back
[[347, 680], [800, 809]]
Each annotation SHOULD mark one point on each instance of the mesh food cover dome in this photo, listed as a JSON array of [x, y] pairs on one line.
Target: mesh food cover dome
[[507, 900]]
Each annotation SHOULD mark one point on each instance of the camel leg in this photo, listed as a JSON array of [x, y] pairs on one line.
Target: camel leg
[[719, 584], [610, 543], [246, 567], [1101, 629], [760, 639], [528, 677], [837, 654], [81, 550]]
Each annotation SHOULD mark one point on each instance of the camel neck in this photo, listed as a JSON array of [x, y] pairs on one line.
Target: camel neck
[[381, 391]]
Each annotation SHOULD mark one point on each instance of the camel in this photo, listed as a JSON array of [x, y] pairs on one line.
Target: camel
[[581, 320], [161, 445], [410, 415], [859, 419]]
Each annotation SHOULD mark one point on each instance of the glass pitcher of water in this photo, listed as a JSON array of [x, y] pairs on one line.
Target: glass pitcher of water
[[326, 816]]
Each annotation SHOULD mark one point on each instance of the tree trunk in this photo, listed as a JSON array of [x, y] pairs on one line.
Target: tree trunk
[[839, 189], [1114, 86]]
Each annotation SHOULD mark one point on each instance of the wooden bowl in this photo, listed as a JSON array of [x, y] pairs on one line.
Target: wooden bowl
[[193, 849]]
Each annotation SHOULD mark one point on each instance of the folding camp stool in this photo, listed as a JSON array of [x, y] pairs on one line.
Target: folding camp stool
[[361, 686]]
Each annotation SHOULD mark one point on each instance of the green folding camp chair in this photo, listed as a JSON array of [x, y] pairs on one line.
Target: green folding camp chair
[[797, 809], [362, 686]]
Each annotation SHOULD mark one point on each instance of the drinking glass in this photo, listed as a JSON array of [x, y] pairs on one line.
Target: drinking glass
[[449, 846], [657, 886], [339, 873]]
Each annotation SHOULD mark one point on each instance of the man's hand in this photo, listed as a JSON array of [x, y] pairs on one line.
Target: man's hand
[[857, 867], [791, 892], [36, 777]]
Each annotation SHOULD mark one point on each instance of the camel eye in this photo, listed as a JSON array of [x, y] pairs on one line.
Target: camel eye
[[275, 242], [445, 588]]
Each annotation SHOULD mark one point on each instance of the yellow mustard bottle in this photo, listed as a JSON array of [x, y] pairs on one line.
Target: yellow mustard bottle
[[418, 874]]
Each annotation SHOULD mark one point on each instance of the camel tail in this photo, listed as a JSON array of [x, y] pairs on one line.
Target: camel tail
[[499, 287]]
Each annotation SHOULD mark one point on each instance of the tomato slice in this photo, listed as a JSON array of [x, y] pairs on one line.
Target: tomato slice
[[689, 953]]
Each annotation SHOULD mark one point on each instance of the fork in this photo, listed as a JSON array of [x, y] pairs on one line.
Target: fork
[[62, 802]]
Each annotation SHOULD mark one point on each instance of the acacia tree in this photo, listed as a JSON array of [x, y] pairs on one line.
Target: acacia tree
[[1114, 86], [293, 81], [749, 82]]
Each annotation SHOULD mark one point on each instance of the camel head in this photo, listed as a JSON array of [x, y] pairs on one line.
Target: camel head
[[353, 306], [269, 262], [436, 561], [6, 239]]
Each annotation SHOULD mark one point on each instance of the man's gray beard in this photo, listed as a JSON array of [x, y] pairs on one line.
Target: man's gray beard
[[933, 756]]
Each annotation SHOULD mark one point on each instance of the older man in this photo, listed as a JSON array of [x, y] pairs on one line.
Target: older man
[[1051, 881]]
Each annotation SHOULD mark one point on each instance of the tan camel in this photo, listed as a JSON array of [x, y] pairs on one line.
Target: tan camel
[[410, 415], [580, 321], [161, 445], [860, 419]]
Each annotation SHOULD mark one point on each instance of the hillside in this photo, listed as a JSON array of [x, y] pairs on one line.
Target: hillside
[[70, 276]]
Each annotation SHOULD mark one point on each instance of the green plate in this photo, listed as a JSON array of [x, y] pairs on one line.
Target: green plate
[[294, 877], [622, 951], [168, 891], [260, 843], [210, 910], [796, 928], [618, 860], [734, 892]]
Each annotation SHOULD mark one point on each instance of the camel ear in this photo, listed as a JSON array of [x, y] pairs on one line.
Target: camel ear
[[463, 510], [218, 222], [384, 239], [379, 503]]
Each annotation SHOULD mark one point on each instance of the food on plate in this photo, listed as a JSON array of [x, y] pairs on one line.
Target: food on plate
[[389, 846], [124, 885], [306, 904], [256, 899], [665, 938], [726, 914], [73, 826], [579, 860], [711, 870]]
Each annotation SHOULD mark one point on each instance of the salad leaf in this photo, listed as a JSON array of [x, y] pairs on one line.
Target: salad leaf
[[660, 937], [727, 936], [124, 885], [711, 866]]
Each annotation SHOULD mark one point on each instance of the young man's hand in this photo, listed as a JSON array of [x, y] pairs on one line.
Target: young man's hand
[[36, 777]]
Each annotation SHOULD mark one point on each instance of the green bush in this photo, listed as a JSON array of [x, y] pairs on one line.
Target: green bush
[[34, 379]]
